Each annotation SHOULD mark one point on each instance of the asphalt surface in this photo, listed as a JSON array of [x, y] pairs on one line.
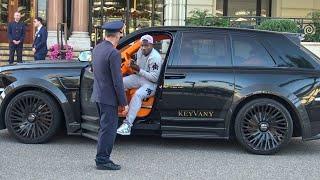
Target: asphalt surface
[[70, 157]]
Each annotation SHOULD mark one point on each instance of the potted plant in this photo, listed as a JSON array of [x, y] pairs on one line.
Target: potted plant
[[57, 52]]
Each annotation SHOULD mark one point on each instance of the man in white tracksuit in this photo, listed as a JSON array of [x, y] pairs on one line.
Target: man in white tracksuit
[[147, 72]]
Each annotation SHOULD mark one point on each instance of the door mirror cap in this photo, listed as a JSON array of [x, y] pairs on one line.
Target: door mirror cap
[[85, 56]]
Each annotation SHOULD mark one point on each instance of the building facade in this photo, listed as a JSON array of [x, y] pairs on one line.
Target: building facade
[[81, 19]]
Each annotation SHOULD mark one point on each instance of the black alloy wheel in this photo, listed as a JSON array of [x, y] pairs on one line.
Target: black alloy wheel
[[263, 126], [32, 117]]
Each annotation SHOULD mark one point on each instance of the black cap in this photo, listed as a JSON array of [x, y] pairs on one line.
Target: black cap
[[114, 26]]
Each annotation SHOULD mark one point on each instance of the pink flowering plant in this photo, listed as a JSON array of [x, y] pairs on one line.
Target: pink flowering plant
[[56, 52]]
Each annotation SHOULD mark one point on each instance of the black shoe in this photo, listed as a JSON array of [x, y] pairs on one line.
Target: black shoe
[[108, 166]]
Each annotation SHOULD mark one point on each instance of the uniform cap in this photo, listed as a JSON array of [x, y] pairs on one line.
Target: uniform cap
[[114, 26]]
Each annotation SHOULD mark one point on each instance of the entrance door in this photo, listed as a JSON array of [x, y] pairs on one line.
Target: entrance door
[[7, 10]]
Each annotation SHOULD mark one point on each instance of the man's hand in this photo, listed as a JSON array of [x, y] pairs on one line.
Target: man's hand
[[134, 67], [34, 50], [18, 42], [15, 42]]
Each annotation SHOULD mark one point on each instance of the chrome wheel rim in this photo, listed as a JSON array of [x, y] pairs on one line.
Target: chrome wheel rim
[[264, 127], [30, 117]]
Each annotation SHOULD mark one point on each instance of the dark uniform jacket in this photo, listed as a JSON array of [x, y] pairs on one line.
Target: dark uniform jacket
[[108, 85], [40, 41], [16, 31]]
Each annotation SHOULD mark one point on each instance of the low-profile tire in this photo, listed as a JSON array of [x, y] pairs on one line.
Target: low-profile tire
[[32, 117], [263, 126]]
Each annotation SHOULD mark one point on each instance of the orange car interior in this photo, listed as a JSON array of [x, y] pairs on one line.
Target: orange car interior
[[126, 54]]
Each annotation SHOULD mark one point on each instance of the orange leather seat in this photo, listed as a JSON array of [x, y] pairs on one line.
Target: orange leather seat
[[146, 106]]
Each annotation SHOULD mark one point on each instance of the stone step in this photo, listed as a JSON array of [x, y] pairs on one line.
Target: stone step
[[27, 54], [7, 45], [24, 52]]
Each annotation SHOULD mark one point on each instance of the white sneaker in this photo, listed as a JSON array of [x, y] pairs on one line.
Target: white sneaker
[[124, 129]]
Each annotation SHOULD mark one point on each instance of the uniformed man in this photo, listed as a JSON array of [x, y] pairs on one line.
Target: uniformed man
[[108, 92], [16, 33], [147, 72]]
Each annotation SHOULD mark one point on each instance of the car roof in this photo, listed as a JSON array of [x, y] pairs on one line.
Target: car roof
[[206, 28]]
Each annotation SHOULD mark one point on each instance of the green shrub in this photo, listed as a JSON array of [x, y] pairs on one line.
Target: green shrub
[[204, 18], [315, 15], [312, 38], [279, 25]]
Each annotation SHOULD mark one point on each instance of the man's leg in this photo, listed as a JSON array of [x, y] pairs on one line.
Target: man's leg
[[36, 57], [146, 89], [12, 52], [19, 53], [41, 56], [131, 81], [107, 132], [142, 93]]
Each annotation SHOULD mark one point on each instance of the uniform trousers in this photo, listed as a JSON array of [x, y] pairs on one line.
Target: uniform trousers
[[40, 56], [13, 49], [107, 132]]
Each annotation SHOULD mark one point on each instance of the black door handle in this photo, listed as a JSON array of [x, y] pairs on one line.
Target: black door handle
[[174, 76]]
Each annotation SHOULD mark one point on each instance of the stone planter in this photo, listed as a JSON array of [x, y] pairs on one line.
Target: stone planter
[[313, 47]]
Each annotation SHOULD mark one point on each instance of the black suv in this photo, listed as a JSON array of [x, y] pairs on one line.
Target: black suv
[[217, 83]]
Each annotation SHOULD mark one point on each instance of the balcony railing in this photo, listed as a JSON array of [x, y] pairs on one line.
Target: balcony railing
[[305, 25]]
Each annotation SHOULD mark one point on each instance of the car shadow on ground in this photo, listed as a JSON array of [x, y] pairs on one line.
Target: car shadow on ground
[[295, 147]]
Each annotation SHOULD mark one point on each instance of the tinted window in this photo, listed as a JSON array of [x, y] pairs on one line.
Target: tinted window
[[288, 54], [248, 51], [205, 49]]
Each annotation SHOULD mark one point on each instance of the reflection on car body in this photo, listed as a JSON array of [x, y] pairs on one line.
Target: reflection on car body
[[260, 87]]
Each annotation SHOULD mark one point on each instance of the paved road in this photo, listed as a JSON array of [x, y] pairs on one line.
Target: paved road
[[67, 157]]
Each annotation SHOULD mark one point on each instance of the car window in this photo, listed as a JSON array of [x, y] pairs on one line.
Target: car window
[[205, 49], [247, 51], [162, 47], [288, 54]]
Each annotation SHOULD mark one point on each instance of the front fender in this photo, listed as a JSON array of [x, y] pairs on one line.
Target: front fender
[[51, 88], [271, 90]]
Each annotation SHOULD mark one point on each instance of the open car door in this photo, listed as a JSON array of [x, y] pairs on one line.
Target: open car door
[[89, 111]]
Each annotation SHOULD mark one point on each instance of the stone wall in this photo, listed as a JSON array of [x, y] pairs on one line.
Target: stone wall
[[313, 47]]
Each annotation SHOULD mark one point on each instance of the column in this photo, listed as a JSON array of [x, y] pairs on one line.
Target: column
[[182, 12], [174, 12], [80, 39], [276, 8], [55, 12], [214, 7]]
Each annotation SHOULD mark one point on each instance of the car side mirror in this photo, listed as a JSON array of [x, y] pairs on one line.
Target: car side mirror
[[85, 56]]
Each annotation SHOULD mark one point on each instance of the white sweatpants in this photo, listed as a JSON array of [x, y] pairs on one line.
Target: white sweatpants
[[144, 88]]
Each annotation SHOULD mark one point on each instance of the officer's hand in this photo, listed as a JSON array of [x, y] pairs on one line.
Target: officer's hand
[[34, 50], [120, 109], [18, 42], [123, 110], [14, 42]]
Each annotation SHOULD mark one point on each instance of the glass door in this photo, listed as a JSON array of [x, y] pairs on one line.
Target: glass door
[[105, 11], [4, 13], [25, 7]]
